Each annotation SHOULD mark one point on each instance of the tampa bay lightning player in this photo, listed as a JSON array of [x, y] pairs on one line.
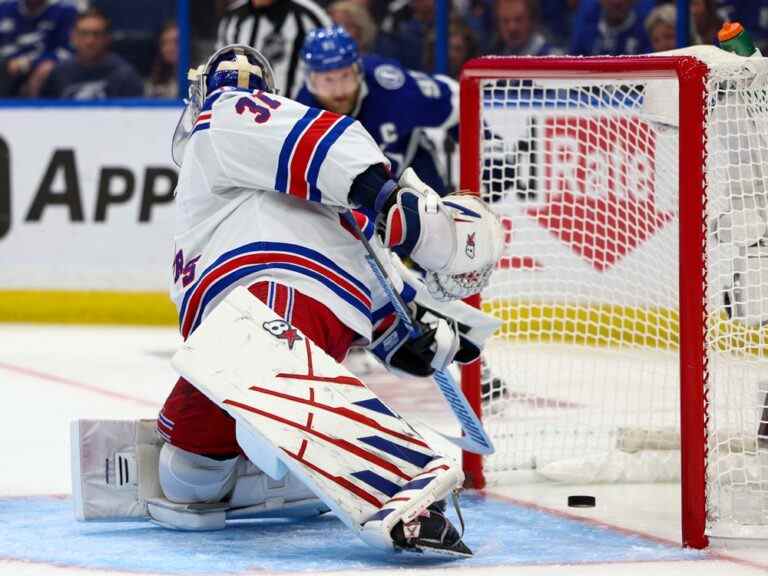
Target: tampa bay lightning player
[[392, 103]]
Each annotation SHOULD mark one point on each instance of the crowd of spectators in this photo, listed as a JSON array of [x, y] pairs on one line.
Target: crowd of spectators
[[91, 49]]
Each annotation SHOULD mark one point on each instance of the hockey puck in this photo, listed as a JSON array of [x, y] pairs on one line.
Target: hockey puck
[[581, 501]]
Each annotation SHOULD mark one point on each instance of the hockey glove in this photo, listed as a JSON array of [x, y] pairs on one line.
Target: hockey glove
[[440, 342]]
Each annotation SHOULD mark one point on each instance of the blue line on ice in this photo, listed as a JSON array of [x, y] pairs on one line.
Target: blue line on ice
[[44, 530]]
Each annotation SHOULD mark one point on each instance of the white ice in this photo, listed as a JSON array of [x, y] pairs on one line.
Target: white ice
[[53, 374]]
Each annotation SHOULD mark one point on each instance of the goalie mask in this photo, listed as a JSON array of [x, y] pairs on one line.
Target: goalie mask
[[232, 67]]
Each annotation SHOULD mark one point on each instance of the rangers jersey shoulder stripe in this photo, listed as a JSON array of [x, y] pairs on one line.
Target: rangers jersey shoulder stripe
[[304, 151]]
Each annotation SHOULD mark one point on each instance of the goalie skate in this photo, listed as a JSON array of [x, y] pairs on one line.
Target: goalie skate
[[431, 533]]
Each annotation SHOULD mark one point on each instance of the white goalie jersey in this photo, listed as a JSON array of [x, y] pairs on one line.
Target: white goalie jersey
[[261, 196]]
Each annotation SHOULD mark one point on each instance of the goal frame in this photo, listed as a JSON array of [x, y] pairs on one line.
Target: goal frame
[[691, 74]]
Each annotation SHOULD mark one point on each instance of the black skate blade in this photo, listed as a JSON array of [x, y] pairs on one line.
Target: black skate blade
[[437, 550]]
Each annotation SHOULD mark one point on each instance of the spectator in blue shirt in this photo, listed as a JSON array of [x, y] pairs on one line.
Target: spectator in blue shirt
[[753, 15], [611, 27], [94, 73], [556, 17], [34, 37], [516, 30], [404, 31]]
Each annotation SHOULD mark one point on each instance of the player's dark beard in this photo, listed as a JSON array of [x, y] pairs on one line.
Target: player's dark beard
[[344, 105]]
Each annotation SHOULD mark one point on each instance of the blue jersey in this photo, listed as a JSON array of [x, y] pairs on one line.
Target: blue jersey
[[395, 105], [44, 36], [752, 14], [592, 36]]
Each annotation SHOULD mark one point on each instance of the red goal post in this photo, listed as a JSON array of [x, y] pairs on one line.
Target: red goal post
[[691, 75]]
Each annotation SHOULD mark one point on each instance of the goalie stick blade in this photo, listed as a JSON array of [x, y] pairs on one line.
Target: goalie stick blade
[[464, 442], [476, 437]]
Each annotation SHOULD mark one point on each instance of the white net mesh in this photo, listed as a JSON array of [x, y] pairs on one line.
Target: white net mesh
[[582, 381], [737, 275]]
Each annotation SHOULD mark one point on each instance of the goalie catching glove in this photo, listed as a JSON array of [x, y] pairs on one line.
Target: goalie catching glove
[[456, 239]]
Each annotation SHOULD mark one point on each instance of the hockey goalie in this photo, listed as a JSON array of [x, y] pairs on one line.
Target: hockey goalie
[[278, 209]]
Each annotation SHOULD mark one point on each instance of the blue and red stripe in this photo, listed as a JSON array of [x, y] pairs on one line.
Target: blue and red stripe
[[333, 134], [283, 163], [411, 456], [363, 220], [377, 482], [280, 299], [203, 122], [250, 259], [305, 150]]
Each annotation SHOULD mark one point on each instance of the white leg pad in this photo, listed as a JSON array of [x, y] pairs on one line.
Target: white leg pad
[[323, 424], [750, 290], [114, 468], [118, 465]]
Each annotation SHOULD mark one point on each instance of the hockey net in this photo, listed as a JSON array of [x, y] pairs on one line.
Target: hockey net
[[634, 285]]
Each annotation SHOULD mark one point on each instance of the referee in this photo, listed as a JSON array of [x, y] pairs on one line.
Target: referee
[[276, 28]]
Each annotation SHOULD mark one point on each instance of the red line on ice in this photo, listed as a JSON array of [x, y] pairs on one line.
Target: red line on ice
[[75, 384]]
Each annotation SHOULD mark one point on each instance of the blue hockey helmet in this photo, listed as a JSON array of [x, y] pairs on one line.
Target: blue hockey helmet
[[329, 49], [238, 66]]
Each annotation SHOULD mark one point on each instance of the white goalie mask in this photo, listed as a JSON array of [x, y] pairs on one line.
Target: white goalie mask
[[236, 66]]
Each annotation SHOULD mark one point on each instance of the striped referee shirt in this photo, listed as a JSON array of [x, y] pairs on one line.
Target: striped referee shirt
[[277, 31]]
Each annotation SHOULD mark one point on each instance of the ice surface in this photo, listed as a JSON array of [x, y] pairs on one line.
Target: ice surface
[[52, 374]]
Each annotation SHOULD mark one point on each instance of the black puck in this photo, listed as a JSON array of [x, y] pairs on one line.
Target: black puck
[[581, 501]]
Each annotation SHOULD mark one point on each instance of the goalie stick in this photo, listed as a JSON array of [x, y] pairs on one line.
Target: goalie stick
[[475, 438]]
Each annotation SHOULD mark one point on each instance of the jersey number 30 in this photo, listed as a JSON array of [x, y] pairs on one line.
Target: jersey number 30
[[261, 111]]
